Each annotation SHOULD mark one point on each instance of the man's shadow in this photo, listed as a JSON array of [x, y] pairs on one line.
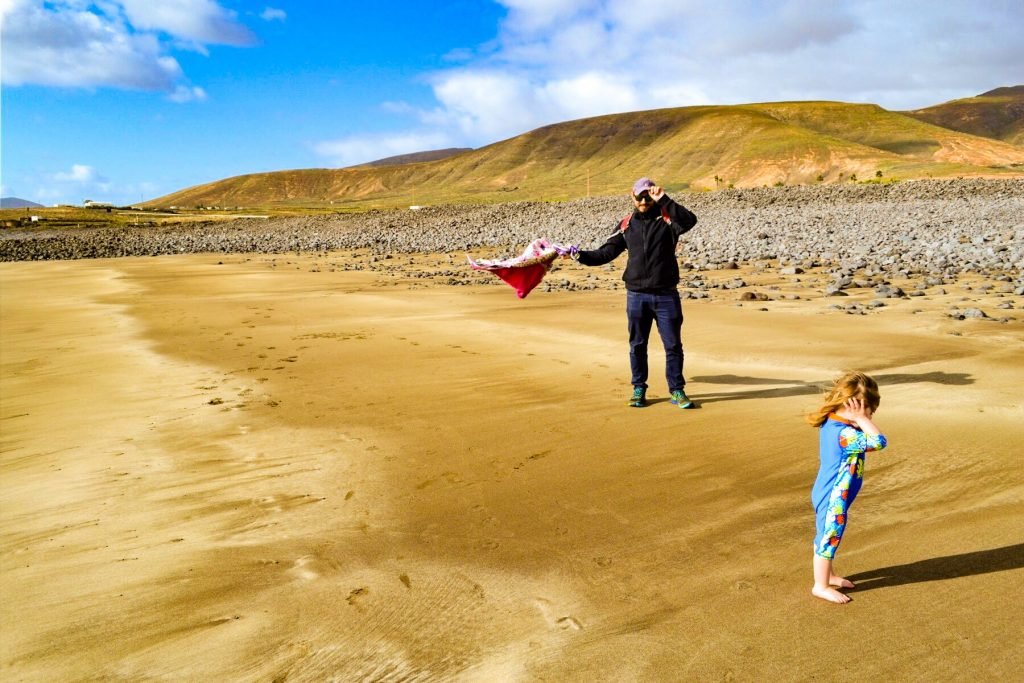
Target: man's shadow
[[797, 388], [940, 568]]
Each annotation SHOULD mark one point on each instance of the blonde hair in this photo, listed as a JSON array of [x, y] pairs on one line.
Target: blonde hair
[[851, 384]]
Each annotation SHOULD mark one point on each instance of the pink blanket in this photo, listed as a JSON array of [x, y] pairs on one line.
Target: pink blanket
[[524, 272]]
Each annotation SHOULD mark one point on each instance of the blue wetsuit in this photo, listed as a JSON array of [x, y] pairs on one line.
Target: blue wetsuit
[[839, 480]]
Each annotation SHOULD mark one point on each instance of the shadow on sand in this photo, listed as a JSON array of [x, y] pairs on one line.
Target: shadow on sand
[[940, 568], [792, 388]]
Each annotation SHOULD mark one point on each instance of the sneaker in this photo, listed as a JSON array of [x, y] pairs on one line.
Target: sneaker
[[680, 399], [639, 398]]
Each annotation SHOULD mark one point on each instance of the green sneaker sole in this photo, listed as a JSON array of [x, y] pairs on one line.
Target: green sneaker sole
[[637, 401], [685, 404]]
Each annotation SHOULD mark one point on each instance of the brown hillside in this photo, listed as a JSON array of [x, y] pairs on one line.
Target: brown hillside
[[996, 114], [688, 147], [417, 157]]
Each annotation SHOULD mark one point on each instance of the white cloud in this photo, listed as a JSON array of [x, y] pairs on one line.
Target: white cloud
[[459, 55], [586, 93], [73, 186], [530, 16], [483, 106], [81, 182], [184, 93], [73, 48], [555, 60], [273, 14], [119, 44], [8, 6], [489, 105], [79, 173], [360, 149], [202, 21]]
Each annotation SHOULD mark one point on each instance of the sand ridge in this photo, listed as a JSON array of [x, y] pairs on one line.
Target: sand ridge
[[268, 468]]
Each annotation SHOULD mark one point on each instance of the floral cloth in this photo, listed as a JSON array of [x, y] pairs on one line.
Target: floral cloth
[[524, 272], [840, 476]]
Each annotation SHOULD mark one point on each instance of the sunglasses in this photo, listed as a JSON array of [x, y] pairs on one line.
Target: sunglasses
[[643, 197]]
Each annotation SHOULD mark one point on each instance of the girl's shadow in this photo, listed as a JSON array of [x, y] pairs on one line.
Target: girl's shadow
[[939, 568]]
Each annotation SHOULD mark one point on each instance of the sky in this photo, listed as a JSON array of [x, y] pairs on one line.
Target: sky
[[128, 100]]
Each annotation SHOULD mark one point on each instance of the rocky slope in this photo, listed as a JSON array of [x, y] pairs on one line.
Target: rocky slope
[[914, 227]]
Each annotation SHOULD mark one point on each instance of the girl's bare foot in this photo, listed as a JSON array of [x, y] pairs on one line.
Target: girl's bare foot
[[840, 582], [830, 594]]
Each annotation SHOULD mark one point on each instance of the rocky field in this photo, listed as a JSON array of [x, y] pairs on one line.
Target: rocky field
[[858, 235]]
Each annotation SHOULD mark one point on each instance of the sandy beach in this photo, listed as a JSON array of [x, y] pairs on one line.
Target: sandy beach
[[267, 468]]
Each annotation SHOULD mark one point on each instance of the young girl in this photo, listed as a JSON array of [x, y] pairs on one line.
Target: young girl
[[846, 433]]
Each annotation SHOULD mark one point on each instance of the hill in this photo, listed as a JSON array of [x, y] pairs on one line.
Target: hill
[[703, 147], [996, 114], [18, 203], [417, 157]]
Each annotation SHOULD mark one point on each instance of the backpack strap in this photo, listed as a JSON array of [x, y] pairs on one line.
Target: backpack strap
[[624, 223]]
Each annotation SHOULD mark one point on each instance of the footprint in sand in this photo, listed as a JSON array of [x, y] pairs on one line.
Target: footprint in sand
[[566, 623], [569, 623], [300, 569], [355, 595], [267, 503]]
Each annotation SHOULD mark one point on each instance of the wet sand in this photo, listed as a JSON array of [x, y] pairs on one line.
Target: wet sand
[[255, 468]]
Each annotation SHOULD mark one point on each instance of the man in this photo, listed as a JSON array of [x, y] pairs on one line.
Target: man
[[650, 235]]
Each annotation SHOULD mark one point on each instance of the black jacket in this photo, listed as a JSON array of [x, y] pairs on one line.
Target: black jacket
[[651, 241]]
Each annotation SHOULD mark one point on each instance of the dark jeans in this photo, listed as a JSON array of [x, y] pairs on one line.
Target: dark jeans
[[642, 309]]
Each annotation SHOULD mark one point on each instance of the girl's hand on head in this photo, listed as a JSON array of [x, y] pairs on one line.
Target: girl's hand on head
[[860, 413], [857, 408]]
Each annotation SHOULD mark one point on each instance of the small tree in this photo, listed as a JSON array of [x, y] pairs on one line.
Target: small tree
[[878, 174]]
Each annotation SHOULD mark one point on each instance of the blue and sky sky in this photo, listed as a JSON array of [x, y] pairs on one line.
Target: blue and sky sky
[[126, 100]]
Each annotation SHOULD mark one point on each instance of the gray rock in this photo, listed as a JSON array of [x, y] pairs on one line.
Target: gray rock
[[889, 291]]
